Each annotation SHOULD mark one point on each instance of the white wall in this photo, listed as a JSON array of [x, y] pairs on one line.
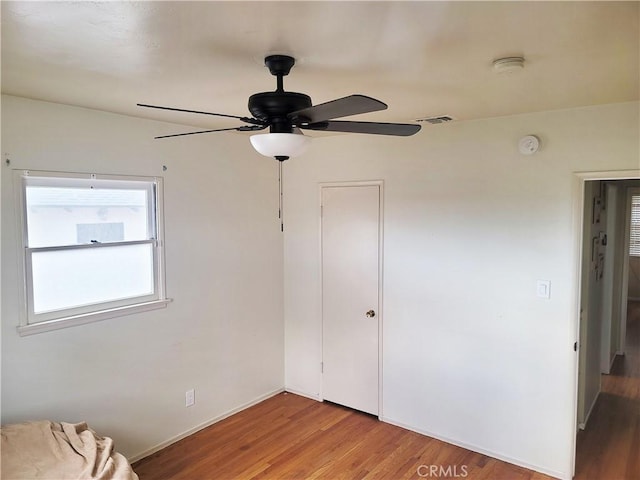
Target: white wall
[[470, 353], [223, 333]]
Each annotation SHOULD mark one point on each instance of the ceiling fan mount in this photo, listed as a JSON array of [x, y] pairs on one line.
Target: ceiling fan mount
[[279, 65], [286, 112], [273, 107]]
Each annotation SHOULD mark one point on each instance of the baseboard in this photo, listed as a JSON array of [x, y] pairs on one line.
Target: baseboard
[[303, 394], [474, 448], [633, 299], [583, 425], [613, 359], [607, 370], [206, 424]]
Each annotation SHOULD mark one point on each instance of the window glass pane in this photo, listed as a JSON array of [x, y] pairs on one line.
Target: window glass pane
[[103, 232], [71, 216], [77, 277]]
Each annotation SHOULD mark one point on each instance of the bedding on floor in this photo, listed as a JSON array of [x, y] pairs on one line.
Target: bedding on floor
[[59, 451]]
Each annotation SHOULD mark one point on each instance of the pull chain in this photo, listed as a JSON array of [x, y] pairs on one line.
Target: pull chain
[[280, 202]]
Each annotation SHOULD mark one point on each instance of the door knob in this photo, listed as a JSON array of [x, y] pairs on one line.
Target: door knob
[[370, 314]]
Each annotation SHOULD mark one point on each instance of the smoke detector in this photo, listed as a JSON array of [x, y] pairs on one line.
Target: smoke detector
[[508, 64], [529, 144]]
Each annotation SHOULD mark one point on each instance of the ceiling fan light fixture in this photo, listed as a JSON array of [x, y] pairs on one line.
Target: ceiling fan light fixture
[[280, 144]]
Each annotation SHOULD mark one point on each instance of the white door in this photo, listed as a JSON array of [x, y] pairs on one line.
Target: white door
[[350, 297]]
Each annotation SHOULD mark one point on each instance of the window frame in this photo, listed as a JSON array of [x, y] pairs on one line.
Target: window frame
[[31, 322]]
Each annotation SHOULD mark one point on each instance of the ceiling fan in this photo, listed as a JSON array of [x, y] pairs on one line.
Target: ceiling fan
[[287, 113]]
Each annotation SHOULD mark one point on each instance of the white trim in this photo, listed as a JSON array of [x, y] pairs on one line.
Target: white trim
[[359, 183], [21, 240], [311, 396], [43, 174], [578, 225], [380, 301], [208, 423], [633, 299], [483, 451], [583, 425], [83, 319], [579, 178], [609, 175], [320, 292], [161, 280], [613, 360]]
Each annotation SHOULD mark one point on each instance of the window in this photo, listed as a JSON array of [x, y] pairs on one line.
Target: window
[[92, 248], [634, 244]]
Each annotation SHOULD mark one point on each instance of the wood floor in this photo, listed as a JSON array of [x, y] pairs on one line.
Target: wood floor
[[609, 448], [291, 437]]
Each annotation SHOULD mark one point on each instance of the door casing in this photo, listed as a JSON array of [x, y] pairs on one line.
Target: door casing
[[579, 180]]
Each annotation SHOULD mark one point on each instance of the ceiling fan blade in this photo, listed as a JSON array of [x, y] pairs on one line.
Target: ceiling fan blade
[[341, 107], [374, 128], [244, 119], [244, 128]]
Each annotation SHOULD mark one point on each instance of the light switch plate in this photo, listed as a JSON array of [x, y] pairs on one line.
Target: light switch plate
[[190, 398]]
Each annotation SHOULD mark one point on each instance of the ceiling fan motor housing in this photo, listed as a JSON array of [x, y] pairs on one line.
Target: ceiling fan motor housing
[[273, 107]]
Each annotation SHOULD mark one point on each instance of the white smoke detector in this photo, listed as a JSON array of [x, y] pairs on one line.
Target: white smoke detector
[[529, 144], [508, 64]]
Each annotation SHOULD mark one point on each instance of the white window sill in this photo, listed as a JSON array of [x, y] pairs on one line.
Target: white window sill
[[85, 318]]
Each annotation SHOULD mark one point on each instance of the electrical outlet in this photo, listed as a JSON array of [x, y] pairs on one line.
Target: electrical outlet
[[190, 398]]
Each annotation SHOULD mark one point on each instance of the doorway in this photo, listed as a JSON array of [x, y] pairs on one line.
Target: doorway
[[351, 238], [602, 292]]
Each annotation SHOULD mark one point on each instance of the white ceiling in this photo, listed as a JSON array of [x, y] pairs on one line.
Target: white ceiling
[[422, 58]]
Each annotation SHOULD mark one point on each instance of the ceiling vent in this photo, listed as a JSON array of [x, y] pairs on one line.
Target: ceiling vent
[[508, 64], [436, 120]]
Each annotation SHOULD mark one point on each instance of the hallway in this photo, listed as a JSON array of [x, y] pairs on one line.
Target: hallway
[[609, 448]]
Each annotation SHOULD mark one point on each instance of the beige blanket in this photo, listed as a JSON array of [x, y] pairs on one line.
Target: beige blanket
[[59, 451]]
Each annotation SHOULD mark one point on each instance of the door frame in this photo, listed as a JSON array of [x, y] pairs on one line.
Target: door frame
[[579, 179], [380, 314]]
